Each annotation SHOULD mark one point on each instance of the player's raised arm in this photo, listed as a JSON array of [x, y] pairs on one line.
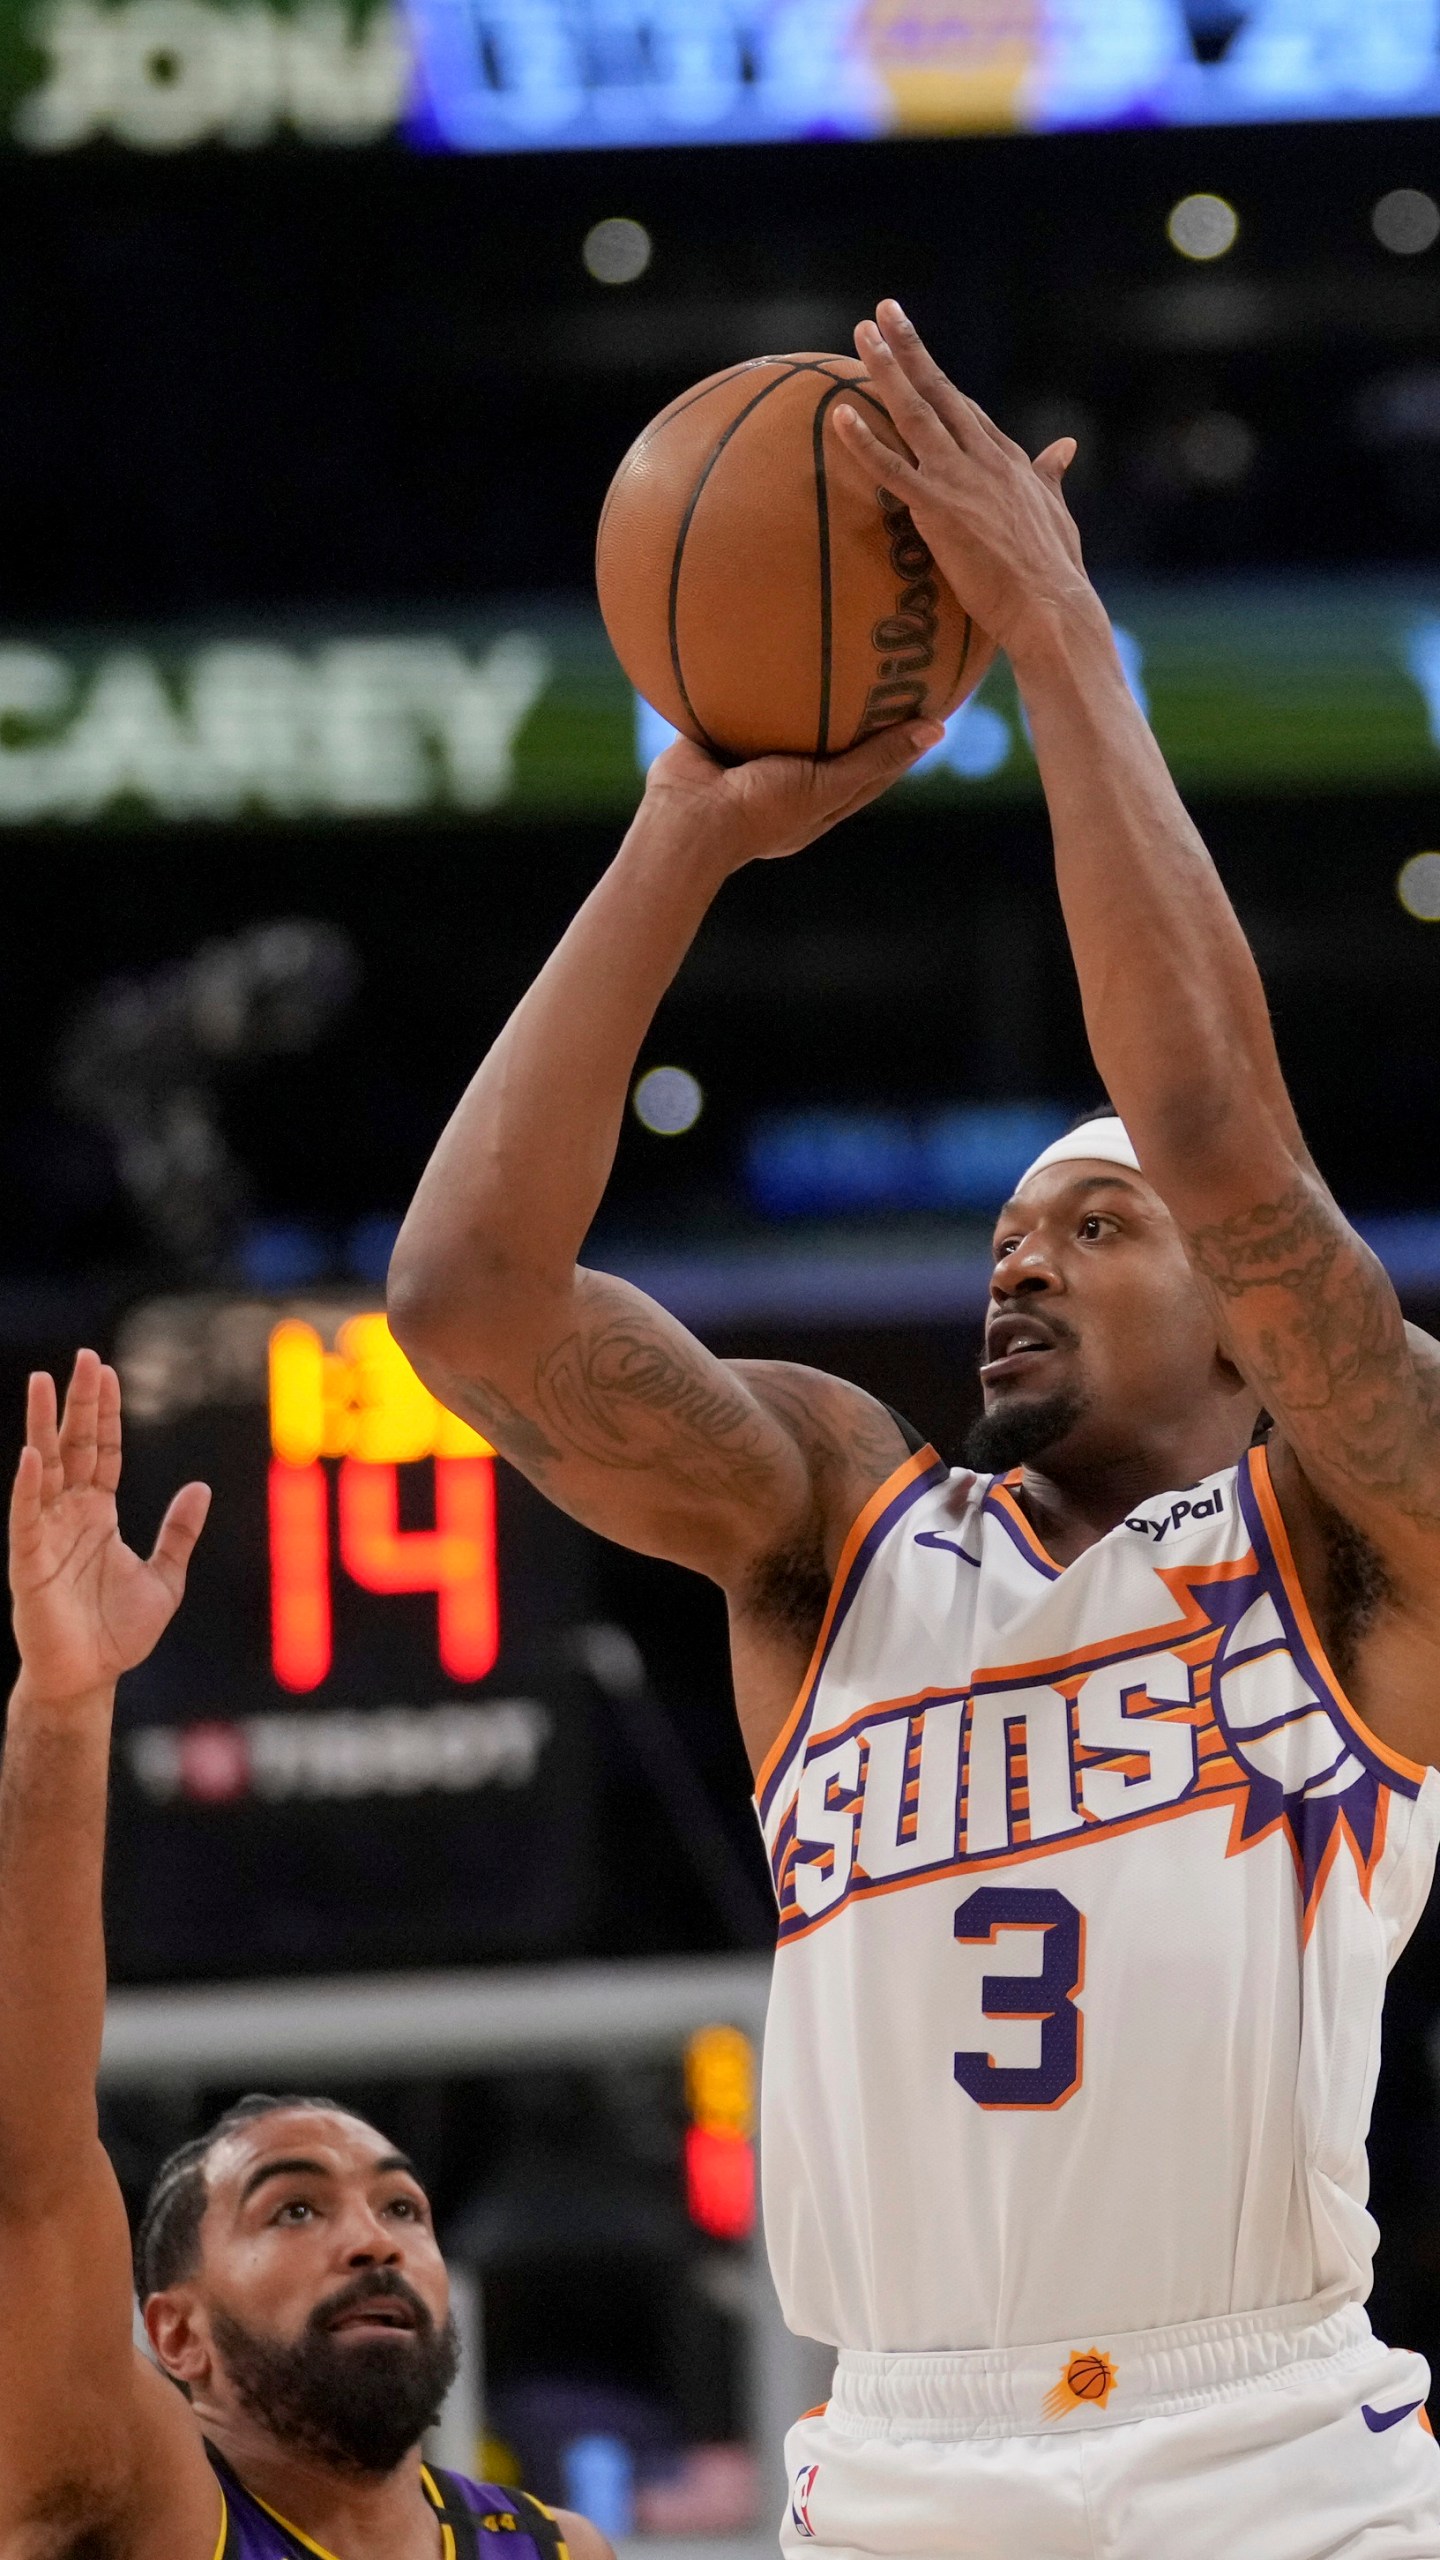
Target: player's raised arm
[[1173, 1003], [88, 2432], [591, 1389]]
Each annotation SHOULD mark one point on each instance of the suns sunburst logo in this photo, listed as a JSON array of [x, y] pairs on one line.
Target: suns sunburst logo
[[1087, 2382]]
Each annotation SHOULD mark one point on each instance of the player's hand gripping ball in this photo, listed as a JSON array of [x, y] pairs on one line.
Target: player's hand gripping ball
[[756, 590]]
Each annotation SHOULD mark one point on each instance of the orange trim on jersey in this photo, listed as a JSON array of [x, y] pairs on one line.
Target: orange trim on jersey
[[817, 2412], [917, 1464], [1284, 1555], [1005, 1491]]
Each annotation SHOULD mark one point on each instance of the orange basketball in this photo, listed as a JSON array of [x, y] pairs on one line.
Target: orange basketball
[[756, 591]]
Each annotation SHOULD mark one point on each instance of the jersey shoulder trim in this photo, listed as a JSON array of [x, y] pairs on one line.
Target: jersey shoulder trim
[[915, 1475], [1269, 1533], [1003, 1503], [463, 2521]]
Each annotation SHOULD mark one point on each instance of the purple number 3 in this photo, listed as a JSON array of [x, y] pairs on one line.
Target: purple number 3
[[1048, 1995]]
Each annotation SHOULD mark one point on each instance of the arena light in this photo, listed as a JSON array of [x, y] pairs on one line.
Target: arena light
[[667, 1101], [1406, 221], [617, 251], [1418, 887], [1218, 449], [1202, 227]]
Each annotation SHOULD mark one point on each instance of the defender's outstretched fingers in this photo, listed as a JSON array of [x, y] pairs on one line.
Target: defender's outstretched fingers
[[26, 1503], [175, 1545], [79, 1421], [107, 1431], [42, 1432]]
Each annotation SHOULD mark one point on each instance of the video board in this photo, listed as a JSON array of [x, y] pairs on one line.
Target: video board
[[544, 75], [523, 711], [513, 75]]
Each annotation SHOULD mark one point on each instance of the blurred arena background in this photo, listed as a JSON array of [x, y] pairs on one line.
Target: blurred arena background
[[321, 331]]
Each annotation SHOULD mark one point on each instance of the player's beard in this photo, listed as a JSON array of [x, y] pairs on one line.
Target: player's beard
[[1013, 1432], [361, 2406]]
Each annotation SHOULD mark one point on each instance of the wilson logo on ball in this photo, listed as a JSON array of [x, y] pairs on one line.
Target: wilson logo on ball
[[906, 637]]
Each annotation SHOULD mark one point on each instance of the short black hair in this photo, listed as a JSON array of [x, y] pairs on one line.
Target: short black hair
[[1097, 1111], [167, 2243]]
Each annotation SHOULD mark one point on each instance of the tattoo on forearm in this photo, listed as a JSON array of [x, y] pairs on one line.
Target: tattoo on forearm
[[1325, 1340]]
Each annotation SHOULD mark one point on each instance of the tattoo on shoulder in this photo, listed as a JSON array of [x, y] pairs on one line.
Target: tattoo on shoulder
[[857, 1437]]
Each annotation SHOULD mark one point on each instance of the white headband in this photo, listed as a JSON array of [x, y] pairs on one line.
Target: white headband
[[1108, 1139]]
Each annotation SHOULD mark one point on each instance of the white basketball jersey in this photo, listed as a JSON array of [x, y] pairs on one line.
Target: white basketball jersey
[[1089, 1881]]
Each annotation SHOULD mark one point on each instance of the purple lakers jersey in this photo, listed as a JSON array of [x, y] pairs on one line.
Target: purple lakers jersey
[[476, 2522]]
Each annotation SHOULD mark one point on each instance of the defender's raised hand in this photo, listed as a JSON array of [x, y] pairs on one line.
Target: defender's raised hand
[[996, 521], [86, 1607]]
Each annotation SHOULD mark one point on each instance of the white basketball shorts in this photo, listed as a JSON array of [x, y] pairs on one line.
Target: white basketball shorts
[[1272, 2435]]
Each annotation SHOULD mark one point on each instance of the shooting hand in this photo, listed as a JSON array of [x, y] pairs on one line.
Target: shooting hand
[[996, 522]]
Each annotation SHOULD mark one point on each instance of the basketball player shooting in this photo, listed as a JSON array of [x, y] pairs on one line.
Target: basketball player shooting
[[1098, 1775], [294, 2297]]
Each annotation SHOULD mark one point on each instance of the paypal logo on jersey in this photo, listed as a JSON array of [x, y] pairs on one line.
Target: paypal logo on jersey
[[1181, 1514]]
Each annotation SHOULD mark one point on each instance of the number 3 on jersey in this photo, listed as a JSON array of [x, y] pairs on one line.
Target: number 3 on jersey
[[1048, 1995]]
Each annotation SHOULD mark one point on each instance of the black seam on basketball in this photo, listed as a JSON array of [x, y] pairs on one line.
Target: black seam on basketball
[[682, 534], [659, 425], [751, 364], [822, 529]]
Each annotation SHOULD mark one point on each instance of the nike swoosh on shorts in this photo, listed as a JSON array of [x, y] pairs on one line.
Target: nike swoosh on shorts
[[1377, 2420]]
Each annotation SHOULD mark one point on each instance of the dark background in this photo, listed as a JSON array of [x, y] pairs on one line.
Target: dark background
[[244, 386]]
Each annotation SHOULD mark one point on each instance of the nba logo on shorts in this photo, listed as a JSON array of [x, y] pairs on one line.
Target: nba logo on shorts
[[800, 2497]]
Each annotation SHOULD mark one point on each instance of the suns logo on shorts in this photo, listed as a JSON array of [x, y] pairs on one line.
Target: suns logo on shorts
[[800, 2497], [1088, 2377]]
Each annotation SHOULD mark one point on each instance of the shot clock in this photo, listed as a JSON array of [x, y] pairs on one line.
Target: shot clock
[[366, 1739]]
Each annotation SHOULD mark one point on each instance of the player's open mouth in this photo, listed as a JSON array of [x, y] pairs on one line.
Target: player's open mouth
[[369, 2318], [1014, 1344]]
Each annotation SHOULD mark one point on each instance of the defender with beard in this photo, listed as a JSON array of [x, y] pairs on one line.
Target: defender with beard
[[1097, 1778], [293, 2293]]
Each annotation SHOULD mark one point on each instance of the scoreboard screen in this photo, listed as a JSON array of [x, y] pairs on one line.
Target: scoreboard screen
[[366, 1740]]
